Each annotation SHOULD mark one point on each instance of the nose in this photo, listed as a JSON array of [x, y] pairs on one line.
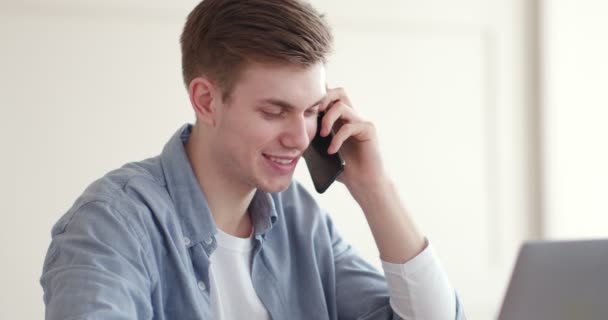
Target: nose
[[298, 133]]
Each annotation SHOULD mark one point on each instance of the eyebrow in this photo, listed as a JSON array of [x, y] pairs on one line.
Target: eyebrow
[[285, 104]]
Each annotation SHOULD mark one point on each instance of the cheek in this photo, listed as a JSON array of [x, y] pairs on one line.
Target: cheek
[[258, 134]]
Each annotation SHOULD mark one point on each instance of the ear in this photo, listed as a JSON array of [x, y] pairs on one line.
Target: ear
[[202, 94]]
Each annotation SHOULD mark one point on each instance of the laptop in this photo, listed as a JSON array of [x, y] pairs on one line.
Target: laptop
[[559, 280]]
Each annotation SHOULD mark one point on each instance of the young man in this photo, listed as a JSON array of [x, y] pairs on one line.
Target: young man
[[214, 227]]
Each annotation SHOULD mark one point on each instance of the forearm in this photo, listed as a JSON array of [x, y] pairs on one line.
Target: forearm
[[397, 237]]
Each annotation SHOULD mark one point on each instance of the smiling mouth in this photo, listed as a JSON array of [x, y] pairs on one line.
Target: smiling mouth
[[281, 160]]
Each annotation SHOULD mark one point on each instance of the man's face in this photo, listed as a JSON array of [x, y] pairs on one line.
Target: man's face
[[267, 124]]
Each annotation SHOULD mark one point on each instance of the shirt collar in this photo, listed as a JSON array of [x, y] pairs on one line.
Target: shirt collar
[[263, 213], [189, 200]]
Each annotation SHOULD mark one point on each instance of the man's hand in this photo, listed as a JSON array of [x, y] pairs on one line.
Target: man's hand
[[355, 138], [397, 238]]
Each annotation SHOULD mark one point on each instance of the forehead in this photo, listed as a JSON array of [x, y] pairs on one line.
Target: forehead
[[296, 84]]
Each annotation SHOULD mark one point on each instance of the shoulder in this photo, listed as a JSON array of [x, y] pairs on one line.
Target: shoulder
[[121, 184], [126, 194]]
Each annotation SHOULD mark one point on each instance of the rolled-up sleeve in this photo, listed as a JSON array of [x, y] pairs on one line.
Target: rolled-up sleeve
[[420, 289], [95, 267]]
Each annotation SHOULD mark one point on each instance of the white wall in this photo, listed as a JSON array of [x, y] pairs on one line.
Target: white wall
[[576, 118]]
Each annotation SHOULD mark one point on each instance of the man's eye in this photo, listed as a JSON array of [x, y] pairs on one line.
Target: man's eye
[[273, 115], [312, 112]]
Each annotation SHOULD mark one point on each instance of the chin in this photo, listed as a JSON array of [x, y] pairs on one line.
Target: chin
[[274, 186]]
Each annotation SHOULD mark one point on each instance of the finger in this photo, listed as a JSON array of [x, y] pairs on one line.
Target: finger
[[344, 133], [330, 117], [342, 96], [333, 96], [360, 131], [338, 111]]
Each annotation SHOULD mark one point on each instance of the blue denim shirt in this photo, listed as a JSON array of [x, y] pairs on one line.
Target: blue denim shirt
[[136, 245]]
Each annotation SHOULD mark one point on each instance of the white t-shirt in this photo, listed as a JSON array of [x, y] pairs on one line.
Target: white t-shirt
[[413, 286], [232, 292]]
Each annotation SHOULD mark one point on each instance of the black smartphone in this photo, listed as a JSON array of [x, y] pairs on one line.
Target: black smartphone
[[324, 168]]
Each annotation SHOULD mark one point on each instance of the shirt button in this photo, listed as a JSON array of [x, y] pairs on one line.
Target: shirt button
[[187, 241], [208, 241], [201, 285]]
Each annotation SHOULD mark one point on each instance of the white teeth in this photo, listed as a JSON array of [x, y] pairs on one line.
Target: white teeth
[[281, 161]]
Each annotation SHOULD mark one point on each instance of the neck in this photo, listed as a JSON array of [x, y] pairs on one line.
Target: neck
[[227, 199]]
